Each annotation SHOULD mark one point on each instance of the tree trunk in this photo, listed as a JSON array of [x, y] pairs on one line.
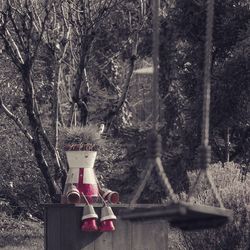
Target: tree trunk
[[35, 126], [113, 112]]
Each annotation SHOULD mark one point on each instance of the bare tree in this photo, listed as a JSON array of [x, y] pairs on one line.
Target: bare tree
[[22, 31], [61, 34]]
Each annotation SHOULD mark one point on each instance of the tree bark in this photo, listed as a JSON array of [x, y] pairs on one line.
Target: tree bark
[[113, 112], [80, 93], [17, 121], [35, 126]]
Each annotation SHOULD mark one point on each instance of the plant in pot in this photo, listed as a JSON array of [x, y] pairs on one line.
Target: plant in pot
[[81, 145]]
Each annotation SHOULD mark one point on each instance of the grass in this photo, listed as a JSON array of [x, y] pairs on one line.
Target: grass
[[236, 196], [80, 135], [20, 234]]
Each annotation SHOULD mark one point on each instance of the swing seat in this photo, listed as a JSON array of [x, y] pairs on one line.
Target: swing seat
[[183, 215]]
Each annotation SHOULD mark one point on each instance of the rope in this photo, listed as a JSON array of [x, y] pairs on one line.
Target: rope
[[154, 160], [104, 202], [154, 139], [207, 73], [205, 149], [149, 167], [214, 189], [194, 185], [151, 163], [85, 198], [154, 145], [155, 52], [164, 179]]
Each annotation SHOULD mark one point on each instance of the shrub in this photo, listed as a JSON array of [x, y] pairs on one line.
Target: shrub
[[236, 196]]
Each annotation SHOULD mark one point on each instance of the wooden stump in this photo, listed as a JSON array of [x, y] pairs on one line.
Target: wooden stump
[[62, 232]]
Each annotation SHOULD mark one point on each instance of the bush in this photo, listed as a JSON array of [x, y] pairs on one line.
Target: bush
[[16, 232], [236, 196]]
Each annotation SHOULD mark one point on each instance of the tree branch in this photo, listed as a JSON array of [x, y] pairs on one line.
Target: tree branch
[[43, 28], [53, 151], [108, 117], [15, 26], [16, 120], [15, 46]]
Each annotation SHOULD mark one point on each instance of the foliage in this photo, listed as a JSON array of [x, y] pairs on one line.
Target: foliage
[[236, 196], [80, 135], [64, 62], [20, 233], [181, 64], [22, 186]]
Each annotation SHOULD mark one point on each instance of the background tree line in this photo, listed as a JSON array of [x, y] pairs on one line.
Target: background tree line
[[72, 62]]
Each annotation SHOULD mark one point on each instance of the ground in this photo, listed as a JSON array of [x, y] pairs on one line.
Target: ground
[[20, 234]]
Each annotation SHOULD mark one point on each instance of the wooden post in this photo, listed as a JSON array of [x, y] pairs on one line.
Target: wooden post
[[62, 232]]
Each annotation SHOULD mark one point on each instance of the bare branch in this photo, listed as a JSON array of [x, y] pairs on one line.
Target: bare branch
[[15, 46], [43, 28], [10, 51], [16, 120], [53, 151], [115, 111], [64, 16], [15, 27]]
